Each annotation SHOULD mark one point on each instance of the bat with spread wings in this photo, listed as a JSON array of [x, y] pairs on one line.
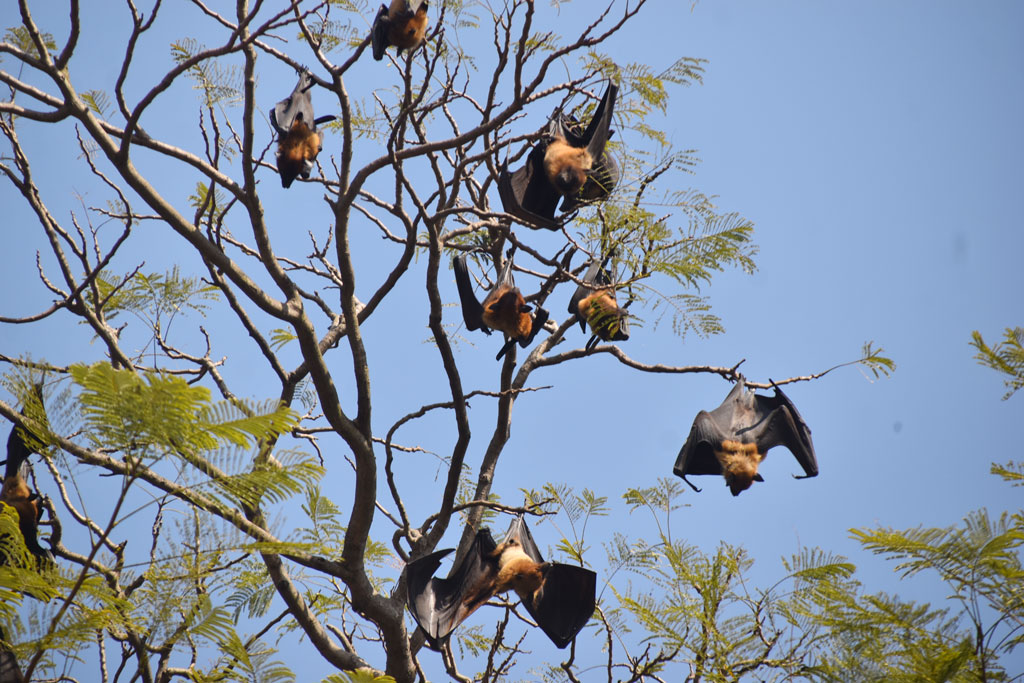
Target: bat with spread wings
[[564, 164], [503, 309], [298, 142], [734, 438], [594, 303], [559, 597]]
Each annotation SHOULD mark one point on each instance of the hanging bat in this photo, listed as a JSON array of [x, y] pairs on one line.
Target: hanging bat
[[563, 164], [596, 305], [298, 142], [403, 25], [734, 438], [16, 492], [503, 309], [559, 597]]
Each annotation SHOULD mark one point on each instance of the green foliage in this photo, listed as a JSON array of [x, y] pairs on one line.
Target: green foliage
[[153, 413], [22, 39], [97, 100], [646, 246], [155, 297], [982, 623], [874, 361], [220, 84], [1006, 357], [361, 676]]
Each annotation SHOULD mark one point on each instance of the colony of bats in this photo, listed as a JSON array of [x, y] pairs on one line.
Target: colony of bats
[[568, 164]]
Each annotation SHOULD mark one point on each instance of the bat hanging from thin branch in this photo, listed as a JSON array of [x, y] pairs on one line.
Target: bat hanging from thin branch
[[734, 438], [559, 597]]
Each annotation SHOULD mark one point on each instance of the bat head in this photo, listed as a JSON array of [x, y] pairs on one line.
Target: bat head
[[739, 465], [567, 167]]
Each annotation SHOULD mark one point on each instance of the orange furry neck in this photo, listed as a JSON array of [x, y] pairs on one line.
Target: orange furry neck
[[739, 463]]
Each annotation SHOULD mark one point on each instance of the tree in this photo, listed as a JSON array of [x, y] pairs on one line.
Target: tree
[[247, 310]]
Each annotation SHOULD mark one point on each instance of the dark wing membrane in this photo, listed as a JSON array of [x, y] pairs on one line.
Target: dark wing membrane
[[540, 316], [284, 113], [440, 605], [697, 456], [597, 132], [518, 531], [527, 195], [505, 275], [785, 427], [564, 603], [379, 33], [472, 310], [583, 291]]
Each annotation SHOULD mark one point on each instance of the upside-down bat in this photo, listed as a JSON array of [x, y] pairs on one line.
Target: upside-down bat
[[595, 304], [403, 25], [16, 492], [298, 142], [563, 164], [734, 438], [559, 597], [503, 309]]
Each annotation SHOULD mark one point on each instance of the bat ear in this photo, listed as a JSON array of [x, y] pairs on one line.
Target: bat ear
[[758, 477]]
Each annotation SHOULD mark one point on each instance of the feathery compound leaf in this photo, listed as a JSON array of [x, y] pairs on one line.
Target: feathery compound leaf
[[153, 414], [1006, 357], [874, 361]]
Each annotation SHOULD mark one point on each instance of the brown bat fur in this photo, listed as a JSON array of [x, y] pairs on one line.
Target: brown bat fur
[[17, 494], [503, 311], [406, 34], [517, 571], [301, 144], [601, 311], [739, 464], [566, 166]]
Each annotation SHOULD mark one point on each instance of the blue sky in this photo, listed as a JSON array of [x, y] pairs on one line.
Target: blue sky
[[876, 146]]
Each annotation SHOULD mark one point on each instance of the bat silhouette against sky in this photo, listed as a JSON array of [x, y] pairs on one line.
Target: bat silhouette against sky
[[559, 597], [298, 142], [403, 25], [734, 438], [594, 303], [503, 309], [563, 165]]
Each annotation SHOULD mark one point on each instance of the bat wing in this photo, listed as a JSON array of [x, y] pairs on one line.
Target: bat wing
[[379, 33], [564, 603], [297, 105], [518, 531], [440, 605], [505, 276], [697, 456], [784, 426], [599, 130], [540, 316], [472, 310], [594, 271], [527, 195]]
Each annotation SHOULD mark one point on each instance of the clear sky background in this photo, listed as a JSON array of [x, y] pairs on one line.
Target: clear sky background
[[875, 145]]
